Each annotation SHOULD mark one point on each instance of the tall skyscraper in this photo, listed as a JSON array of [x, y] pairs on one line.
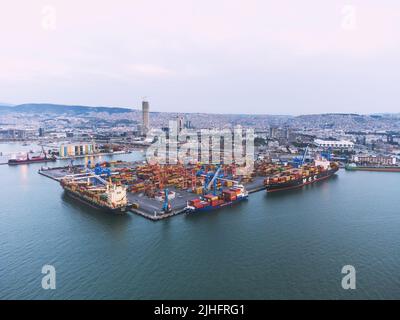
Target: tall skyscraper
[[145, 113], [41, 132], [179, 121]]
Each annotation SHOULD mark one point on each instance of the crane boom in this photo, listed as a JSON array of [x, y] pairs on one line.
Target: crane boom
[[304, 155], [88, 176], [213, 178]]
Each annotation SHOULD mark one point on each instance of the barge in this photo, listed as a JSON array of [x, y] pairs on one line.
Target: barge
[[378, 168]]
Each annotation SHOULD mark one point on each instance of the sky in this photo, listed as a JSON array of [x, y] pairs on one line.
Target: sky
[[236, 56]]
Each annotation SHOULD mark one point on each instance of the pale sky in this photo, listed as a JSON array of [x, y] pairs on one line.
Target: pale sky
[[247, 56]]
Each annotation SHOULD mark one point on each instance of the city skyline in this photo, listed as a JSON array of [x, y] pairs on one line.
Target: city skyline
[[138, 108], [181, 151], [258, 57]]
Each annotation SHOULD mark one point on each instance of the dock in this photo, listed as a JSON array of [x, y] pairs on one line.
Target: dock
[[157, 216], [142, 204], [94, 155], [56, 173]]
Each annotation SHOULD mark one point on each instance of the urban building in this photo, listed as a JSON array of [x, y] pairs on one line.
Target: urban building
[[273, 132], [341, 144], [145, 115], [13, 134], [376, 160], [179, 121], [78, 149], [41, 132]]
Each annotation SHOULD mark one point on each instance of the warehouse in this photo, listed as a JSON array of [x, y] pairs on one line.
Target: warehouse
[[341, 144]]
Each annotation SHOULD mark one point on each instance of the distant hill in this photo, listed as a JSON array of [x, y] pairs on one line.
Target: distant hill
[[4, 108], [2, 104], [60, 109], [346, 121]]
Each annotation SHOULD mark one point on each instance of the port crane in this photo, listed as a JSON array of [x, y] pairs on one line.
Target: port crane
[[97, 173], [167, 205], [211, 179], [299, 162], [88, 175], [304, 155], [327, 154], [214, 178]]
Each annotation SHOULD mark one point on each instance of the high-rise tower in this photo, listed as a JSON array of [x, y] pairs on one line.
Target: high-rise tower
[[179, 121], [145, 114]]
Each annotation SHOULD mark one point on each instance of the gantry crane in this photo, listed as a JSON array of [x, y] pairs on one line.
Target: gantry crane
[[167, 205]]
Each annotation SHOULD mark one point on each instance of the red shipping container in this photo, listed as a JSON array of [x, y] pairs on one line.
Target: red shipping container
[[215, 203]]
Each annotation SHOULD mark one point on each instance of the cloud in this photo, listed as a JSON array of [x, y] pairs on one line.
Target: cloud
[[220, 52], [17, 69], [149, 70]]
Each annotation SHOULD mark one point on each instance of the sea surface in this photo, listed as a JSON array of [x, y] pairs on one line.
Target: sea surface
[[289, 245]]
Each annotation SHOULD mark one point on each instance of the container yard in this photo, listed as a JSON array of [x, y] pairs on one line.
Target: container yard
[[160, 191]]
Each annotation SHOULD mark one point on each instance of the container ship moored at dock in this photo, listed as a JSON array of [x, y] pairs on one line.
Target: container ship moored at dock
[[211, 202], [110, 197], [33, 159], [298, 177]]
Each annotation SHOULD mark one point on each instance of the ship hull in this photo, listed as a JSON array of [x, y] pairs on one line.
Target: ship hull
[[13, 162], [212, 208], [376, 169], [93, 204], [298, 183]]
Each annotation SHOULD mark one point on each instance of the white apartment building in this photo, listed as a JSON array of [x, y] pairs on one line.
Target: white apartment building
[[342, 144]]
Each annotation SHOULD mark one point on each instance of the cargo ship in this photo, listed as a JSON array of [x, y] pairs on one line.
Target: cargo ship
[[378, 168], [111, 198], [32, 159], [209, 202], [297, 177]]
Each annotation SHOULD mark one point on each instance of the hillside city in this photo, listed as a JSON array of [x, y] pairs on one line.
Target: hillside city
[[276, 136]]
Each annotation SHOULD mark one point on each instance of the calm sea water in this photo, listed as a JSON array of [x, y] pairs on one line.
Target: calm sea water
[[279, 246]]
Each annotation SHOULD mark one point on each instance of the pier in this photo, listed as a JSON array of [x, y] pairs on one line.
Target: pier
[[140, 203]]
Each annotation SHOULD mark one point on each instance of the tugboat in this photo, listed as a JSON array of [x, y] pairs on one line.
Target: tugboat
[[32, 159]]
